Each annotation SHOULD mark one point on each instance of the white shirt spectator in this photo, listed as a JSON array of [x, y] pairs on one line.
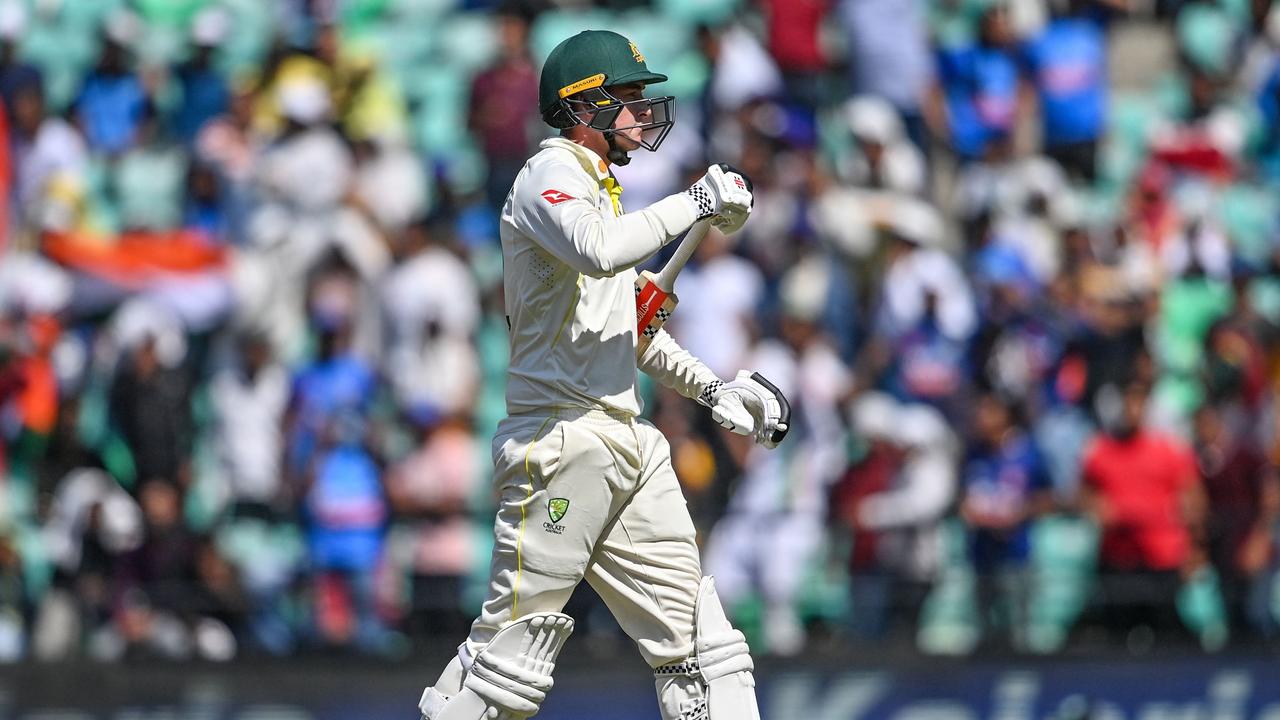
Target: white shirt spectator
[[433, 308], [912, 277], [56, 152], [393, 186], [310, 171], [250, 415]]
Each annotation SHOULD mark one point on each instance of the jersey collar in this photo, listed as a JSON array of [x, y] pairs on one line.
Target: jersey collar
[[591, 162]]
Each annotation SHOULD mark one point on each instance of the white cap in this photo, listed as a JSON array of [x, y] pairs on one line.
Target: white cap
[[921, 426], [123, 27], [210, 27], [874, 415], [304, 99], [804, 289], [13, 19], [1067, 211], [1042, 175], [139, 318], [873, 119], [917, 222]]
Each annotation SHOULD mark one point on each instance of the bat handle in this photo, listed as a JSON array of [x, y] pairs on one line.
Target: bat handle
[[666, 278]]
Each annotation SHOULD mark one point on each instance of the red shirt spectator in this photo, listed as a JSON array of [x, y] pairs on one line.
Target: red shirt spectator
[[794, 28], [1138, 482]]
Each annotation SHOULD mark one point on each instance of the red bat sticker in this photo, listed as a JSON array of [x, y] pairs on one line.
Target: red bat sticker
[[648, 303], [555, 197]]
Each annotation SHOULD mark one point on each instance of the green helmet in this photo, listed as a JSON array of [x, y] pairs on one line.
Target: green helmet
[[575, 82]]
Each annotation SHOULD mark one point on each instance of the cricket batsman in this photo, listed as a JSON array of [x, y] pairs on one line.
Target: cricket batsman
[[586, 488]]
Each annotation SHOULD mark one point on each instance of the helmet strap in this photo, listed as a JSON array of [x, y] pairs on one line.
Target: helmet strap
[[616, 155]]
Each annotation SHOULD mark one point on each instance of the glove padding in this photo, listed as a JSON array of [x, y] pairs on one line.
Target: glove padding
[[724, 194], [750, 405]]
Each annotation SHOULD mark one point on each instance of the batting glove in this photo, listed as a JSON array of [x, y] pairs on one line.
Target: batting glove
[[724, 195], [750, 405]]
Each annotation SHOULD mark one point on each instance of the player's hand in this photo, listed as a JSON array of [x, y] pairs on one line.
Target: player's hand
[[751, 405], [724, 195]]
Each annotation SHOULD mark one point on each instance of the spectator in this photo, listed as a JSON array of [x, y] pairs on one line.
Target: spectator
[[389, 185], [1019, 341], [1068, 66], [92, 525], [926, 317], [1243, 494], [890, 57], [433, 308], [978, 91], [228, 146], [150, 406], [313, 181], [1108, 345], [205, 209], [205, 94], [429, 492], [165, 607], [892, 502], [249, 401], [345, 510], [1144, 491], [1005, 488], [885, 159], [47, 152], [502, 110], [792, 30], [14, 72], [113, 101]]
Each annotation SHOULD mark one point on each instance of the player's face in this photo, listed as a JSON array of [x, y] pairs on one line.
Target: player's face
[[631, 116]]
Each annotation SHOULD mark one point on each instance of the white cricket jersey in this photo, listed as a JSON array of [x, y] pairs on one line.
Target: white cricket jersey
[[568, 273]]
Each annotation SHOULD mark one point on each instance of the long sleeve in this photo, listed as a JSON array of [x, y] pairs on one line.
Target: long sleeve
[[668, 363], [929, 484], [554, 203]]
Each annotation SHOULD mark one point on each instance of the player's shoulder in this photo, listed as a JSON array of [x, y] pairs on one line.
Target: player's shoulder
[[555, 157], [555, 175]]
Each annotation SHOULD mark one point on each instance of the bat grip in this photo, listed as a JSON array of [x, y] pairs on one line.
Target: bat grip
[[666, 278]]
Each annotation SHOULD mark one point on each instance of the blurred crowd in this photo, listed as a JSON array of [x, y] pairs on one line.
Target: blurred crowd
[[1020, 281]]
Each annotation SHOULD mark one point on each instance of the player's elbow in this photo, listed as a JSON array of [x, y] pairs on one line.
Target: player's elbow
[[598, 267], [593, 259]]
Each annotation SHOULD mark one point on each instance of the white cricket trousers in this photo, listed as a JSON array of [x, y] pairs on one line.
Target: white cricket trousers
[[586, 493]]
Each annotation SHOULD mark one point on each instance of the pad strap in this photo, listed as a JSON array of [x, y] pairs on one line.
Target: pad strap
[[508, 686], [723, 654]]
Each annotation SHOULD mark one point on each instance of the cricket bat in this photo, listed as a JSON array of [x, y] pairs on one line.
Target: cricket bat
[[655, 296]]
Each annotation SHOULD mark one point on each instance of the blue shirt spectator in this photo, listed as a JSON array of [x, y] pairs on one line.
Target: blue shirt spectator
[[346, 510], [112, 103], [1068, 64], [980, 86], [1004, 483], [339, 383], [204, 96]]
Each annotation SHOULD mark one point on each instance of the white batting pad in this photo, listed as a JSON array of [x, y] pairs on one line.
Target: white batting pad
[[511, 676]]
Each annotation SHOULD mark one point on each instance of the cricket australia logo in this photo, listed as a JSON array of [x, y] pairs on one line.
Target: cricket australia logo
[[556, 508]]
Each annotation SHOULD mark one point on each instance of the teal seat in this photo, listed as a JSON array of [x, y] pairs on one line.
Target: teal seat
[[1064, 554], [949, 622], [694, 12], [469, 42]]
